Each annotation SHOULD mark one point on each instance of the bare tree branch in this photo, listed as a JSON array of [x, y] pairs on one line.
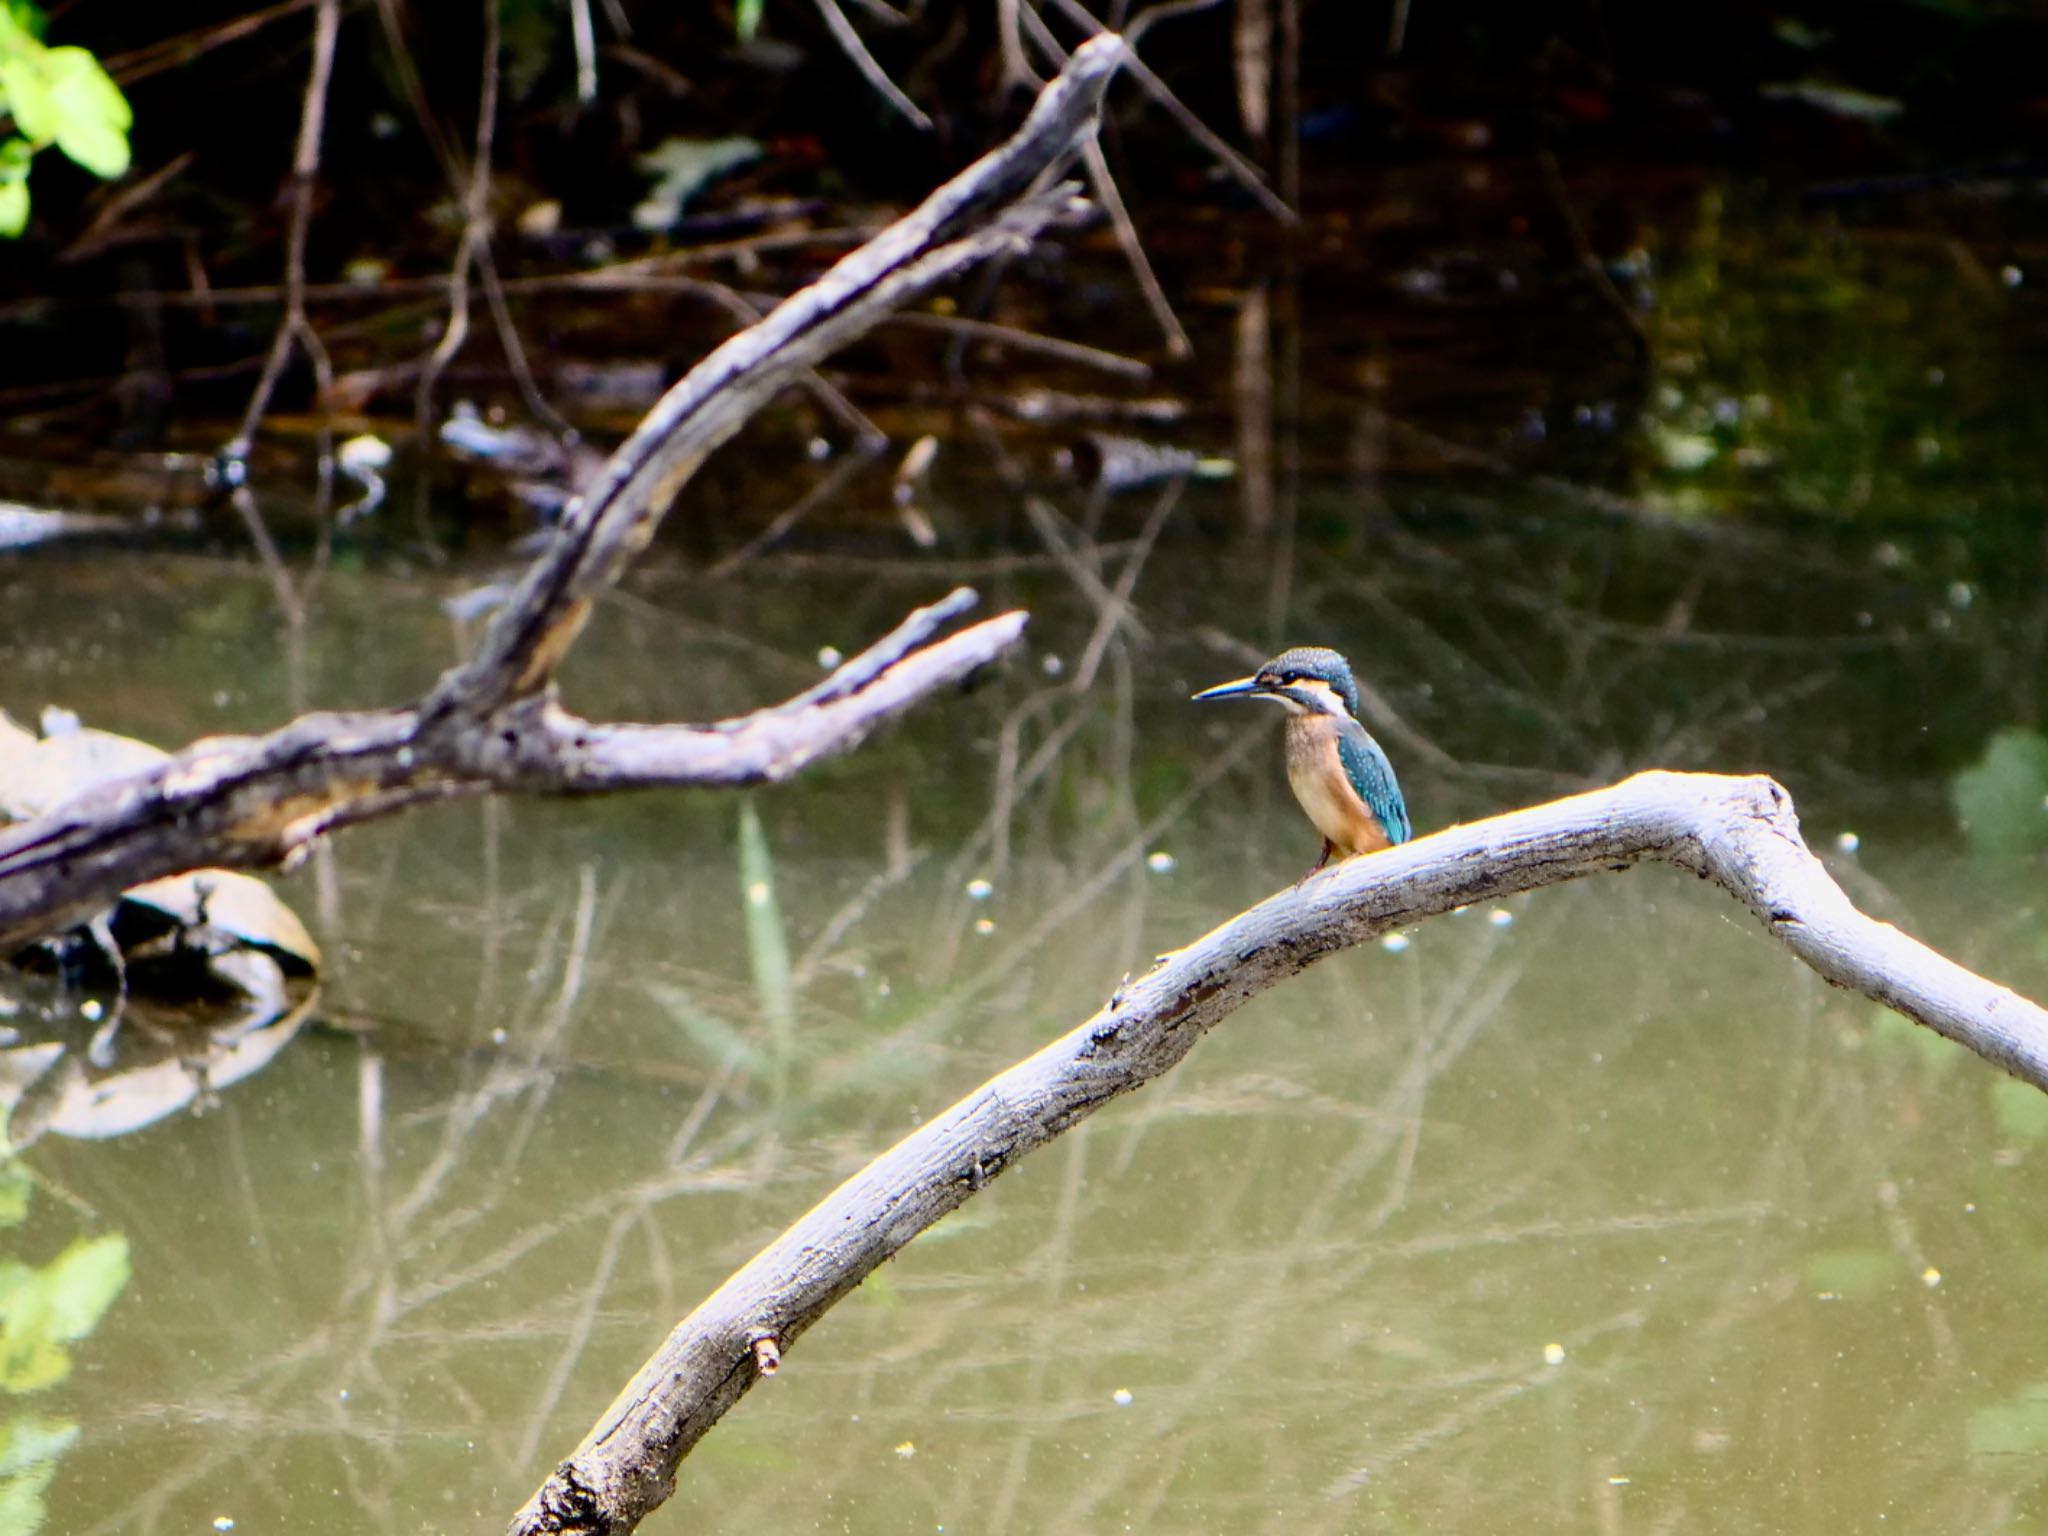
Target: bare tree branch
[[492, 722], [1740, 833]]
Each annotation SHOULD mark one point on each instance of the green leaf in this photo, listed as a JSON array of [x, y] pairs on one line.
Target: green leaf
[[84, 1280], [93, 116], [13, 208], [2002, 799], [25, 81], [47, 1308], [747, 18], [31, 20], [15, 1186], [31, 1441], [21, 1502], [31, 1363]]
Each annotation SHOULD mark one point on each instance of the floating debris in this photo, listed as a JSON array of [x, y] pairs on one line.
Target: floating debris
[[22, 527], [684, 167], [1056, 406], [911, 472], [1837, 100], [360, 459], [1124, 463]]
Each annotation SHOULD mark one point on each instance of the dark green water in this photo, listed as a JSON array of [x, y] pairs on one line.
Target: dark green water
[[1591, 1212]]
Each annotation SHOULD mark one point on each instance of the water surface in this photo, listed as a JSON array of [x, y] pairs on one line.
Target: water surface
[[1593, 1210]]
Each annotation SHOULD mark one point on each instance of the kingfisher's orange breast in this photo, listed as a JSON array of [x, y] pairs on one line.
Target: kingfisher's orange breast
[[1316, 774]]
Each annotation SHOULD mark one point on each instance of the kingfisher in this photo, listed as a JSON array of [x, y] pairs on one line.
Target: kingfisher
[[1337, 771]]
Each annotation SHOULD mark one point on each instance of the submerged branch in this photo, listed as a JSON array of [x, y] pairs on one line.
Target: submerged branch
[[492, 722], [1740, 833]]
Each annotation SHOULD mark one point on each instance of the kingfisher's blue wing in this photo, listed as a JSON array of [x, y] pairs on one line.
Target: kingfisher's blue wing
[[1373, 777]]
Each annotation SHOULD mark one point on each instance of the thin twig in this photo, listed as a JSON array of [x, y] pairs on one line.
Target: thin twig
[[475, 232], [305, 172], [1055, 347], [1240, 170], [493, 722], [851, 45], [1106, 193]]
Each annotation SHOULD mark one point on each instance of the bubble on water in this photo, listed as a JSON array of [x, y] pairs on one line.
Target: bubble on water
[[1121, 1397], [1160, 862], [1394, 943], [1500, 917], [1553, 1354], [829, 657], [984, 925], [1848, 842]]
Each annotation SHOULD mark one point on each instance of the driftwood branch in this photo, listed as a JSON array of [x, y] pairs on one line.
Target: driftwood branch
[[492, 723], [1739, 833]]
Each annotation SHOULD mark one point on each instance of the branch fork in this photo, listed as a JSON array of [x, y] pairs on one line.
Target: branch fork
[[493, 722]]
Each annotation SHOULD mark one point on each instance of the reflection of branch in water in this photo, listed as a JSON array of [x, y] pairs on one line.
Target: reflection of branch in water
[[1739, 833], [821, 491], [1057, 348], [493, 722], [1519, 1379]]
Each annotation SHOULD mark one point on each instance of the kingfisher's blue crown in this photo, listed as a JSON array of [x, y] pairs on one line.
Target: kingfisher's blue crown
[[1317, 663]]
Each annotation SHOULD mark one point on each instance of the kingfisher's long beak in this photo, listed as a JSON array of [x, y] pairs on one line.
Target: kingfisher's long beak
[[1244, 687]]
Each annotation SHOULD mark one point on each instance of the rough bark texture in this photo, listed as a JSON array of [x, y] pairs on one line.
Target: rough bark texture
[[492, 722], [244, 802], [1740, 833]]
